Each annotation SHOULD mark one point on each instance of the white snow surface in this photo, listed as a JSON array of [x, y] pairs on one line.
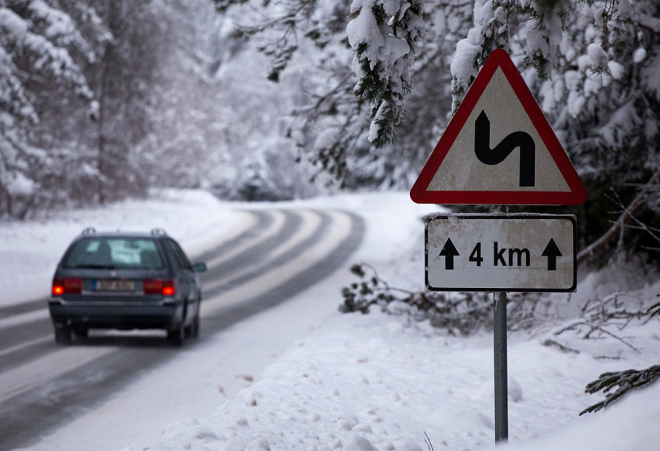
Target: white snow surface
[[330, 381]]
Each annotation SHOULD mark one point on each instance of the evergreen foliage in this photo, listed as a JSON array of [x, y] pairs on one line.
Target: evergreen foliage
[[625, 381], [384, 37], [372, 84]]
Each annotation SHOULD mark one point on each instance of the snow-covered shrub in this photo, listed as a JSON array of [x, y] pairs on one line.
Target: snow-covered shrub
[[42, 48], [459, 313]]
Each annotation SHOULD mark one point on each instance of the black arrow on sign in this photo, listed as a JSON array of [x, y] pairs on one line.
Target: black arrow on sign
[[552, 252], [449, 252], [498, 154]]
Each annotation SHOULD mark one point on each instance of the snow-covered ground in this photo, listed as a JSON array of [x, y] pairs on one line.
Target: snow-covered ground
[[355, 382]]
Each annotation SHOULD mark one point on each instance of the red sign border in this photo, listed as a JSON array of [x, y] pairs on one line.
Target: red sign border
[[577, 194]]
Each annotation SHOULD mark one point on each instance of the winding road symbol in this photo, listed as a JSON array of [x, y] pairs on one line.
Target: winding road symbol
[[501, 151]]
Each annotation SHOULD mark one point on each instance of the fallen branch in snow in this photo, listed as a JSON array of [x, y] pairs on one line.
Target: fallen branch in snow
[[599, 315], [561, 347], [616, 229], [527, 310], [459, 313], [625, 380], [654, 309], [427, 440]]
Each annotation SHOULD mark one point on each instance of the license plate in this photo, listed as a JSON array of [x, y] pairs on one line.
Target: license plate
[[114, 285]]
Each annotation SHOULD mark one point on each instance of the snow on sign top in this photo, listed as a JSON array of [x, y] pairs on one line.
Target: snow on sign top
[[499, 149]]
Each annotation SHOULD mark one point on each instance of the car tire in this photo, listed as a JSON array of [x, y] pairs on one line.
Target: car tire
[[175, 336], [81, 333], [194, 327], [62, 335]]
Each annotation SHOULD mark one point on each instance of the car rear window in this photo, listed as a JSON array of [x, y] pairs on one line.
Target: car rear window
[[114, 252]]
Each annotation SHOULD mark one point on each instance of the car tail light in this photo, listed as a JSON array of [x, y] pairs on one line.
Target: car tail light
[[159, 286], [69, 285]]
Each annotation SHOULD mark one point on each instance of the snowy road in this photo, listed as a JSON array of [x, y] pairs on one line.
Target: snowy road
[[269, 257]]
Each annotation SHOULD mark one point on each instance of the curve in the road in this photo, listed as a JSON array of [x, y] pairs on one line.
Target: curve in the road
[[291, 251]]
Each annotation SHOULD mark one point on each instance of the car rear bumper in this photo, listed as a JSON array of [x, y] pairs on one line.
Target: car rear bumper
[[115, 315]]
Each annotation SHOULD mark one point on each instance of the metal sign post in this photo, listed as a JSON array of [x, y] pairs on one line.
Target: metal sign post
[[500, 253], [501, 375]]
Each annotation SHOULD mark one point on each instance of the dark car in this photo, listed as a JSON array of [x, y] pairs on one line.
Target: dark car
[[125, 281]]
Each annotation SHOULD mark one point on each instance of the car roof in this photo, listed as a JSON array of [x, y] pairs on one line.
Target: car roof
[[91, 232]]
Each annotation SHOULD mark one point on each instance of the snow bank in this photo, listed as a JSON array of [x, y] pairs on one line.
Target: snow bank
[[365, 382], [630, 426]]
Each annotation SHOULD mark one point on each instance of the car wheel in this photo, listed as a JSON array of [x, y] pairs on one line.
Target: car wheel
[[194, 328], [81, 333], [62, 335], [176, 336]]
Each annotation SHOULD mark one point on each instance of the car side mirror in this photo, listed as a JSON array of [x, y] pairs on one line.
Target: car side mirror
[[199, 267]]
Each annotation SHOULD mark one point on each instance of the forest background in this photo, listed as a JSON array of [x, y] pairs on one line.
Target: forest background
[[281, 99]]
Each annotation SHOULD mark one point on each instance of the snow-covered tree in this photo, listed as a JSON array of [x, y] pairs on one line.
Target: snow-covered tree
[[347, 136], [123, 80], [41, 44], [111, 157], [384, 36], [592, 65]]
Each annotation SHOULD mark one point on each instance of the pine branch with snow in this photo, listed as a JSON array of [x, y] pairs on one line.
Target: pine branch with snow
[[384, 36], [654, 309], [490, 31], [624, 381]]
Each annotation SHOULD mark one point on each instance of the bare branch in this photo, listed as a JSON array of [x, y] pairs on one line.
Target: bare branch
[[614, 231]]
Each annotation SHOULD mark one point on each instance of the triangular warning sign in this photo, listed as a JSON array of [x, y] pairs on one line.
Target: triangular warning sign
[[499, 149]]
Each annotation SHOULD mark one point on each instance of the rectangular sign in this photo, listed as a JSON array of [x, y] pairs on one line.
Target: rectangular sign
[[501, 252]]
